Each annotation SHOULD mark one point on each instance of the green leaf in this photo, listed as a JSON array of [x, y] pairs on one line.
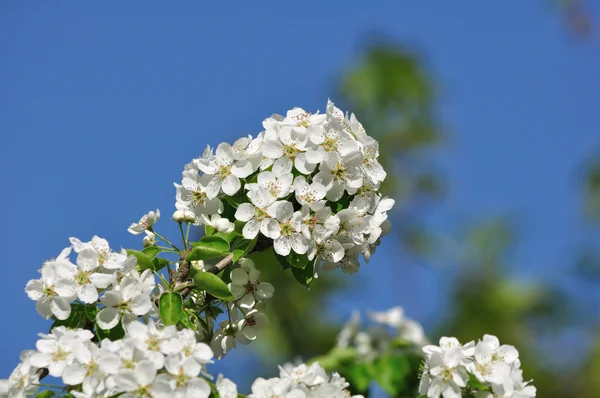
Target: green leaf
[[475, 384], [304, 276], [391, 372], [144, 261], [90, 312], [281, 260], [171, 307], [45, 394], [207, 248], [160, 263], [213, 285], [113, 334], [151, 251], [77, 319], [208, 230], [360, 376], [243, 248], [218, 238], [237, 199], [297, 260], [186, 320]]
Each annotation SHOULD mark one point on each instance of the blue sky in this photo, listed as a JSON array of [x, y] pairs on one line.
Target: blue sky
[[103, 103]]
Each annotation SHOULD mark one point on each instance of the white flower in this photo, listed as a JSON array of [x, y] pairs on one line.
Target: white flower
[[340, 173], [371, 167], [226, 388], [193, 194], [394, 317], [258, 215], [277, 182], [201, 352], [250, 326], [184, 370], [492, 361], [440, 378], [287, 234], [23, 380], [155, 342], [223, 339], [149, 239], [87, 278], [219, 223], [138, 382], [286, 148], [127, 301], [225, 171], [271, 388], [145, 223], [85, 370], [309, 195], [246, 287], [58, 350], [55, 290]]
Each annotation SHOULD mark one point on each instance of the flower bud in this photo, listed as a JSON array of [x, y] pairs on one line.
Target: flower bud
[[184, 216], [149, 239]]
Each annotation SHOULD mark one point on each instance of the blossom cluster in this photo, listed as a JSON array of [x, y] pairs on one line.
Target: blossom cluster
[[149, 361], [246, 318], [450, 366], [97, 275], [302, 381], [376, 339], [308, 182]]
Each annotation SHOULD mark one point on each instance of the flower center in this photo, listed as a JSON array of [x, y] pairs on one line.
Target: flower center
[[82, 277], [224, 171], [198, 198], [286, 228], [339, 173], [250, 287], [290, 151], [60, 355], [153, 343], [330, 144]]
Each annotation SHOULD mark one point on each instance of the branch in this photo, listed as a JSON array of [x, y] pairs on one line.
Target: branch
[[184, 272]]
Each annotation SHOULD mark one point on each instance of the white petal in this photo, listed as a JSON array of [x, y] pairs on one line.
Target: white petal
[[251, 228], [107, 318], [87, 293], [231, 184], [60, 307], [73, 374]]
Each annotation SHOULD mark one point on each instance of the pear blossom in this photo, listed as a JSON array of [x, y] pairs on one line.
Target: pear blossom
[[259, 215], [145, 223], [56, 288], [250, 326], [277, 182], [340, 174], [246, 287], [287, 235], [149, 239], [226, 388], [225, 171], [219, 223], [184, 371], [127, 301], [23, 380], [310, 195]]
